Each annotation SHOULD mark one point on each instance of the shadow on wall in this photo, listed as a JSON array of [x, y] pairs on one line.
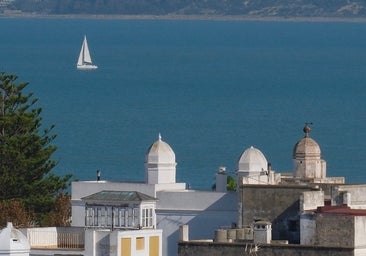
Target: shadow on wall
[[287, 225], [202, 224]]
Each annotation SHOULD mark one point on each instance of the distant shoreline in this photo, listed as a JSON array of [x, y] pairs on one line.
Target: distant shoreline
[[183, 17]]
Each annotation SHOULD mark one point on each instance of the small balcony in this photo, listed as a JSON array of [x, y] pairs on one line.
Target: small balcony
[[56, 238]]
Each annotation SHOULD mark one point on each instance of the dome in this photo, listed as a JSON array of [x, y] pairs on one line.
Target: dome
[[13, 241], [252, 160], [160, 152], [306, 147]]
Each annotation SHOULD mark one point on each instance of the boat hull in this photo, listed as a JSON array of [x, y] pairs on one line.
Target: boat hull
[[86, 67]]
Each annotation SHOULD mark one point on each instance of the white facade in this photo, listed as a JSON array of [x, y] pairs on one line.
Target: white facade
[[120, 210], [123, 243], [253, 168], [13, 242], [203, 211], [81, 189], [94, 242], [360, 231]]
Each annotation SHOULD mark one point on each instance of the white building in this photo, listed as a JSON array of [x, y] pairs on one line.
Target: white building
[[120, 210], [203, 211], [52, 241], [117, 223], [299, 213]]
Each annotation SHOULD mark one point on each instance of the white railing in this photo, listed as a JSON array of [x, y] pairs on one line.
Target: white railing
[[65, 238]]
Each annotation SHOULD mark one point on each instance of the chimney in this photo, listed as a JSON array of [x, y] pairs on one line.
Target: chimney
[[221, 180]]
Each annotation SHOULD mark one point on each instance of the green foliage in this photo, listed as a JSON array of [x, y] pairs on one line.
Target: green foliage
[[231, 183], [26, 150]]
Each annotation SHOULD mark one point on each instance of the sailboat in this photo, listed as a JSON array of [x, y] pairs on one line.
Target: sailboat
[[84, 61]]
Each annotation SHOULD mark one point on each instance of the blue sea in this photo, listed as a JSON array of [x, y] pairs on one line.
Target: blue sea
[[211, 88]]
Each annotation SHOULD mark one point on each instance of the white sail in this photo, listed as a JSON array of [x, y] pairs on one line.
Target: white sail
[[87, 58], [84, 60], [80, 60]]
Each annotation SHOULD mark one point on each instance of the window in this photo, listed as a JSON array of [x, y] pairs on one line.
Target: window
[[109, 216], [147, 217], [136, 221], [293, 225], [96, 213], [115, 217], [140, 243], [150, 218], [122, 216], [98, 216], [129, 213], [89, 216], [102, 216]]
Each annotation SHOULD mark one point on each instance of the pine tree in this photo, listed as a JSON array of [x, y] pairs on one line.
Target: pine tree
[[26, 150]]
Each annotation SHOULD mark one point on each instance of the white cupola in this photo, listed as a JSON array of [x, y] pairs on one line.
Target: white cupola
[[13, 242], [252, 162], [253, 168], [160, 165]]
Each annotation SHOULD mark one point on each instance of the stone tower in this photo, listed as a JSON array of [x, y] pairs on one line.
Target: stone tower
[[307, 158]]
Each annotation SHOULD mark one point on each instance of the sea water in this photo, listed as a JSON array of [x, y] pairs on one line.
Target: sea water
[[211, 88]]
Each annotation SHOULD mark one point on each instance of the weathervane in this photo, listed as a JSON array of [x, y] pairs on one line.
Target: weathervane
[[307, 128]]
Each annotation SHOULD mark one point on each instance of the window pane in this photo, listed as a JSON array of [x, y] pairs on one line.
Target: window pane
[[140, 243]]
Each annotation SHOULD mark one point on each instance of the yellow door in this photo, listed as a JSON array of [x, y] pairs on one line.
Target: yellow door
[[126, 247], [154, 246]]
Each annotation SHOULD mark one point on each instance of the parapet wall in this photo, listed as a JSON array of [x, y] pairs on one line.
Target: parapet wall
[[219, 249]]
